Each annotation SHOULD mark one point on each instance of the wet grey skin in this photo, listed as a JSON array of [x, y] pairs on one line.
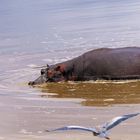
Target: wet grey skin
[[99, 64], [102, 130], [41, 79], [45, 77]]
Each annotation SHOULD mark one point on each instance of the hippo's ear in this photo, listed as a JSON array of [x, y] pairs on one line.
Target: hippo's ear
[[48, 67], [60, 68]]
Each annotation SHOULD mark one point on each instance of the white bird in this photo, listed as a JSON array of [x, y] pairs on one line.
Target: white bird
[[102, 130]]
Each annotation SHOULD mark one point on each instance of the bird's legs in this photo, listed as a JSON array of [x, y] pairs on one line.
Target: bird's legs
[[107, 138], [95, 134]]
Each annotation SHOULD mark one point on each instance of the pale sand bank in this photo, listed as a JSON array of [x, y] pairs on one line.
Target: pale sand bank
[[23, 119]]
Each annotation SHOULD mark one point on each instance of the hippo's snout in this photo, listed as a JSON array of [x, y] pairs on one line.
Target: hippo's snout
[[40, 80]]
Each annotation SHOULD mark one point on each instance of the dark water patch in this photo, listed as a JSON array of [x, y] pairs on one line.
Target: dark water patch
[[95, 93]]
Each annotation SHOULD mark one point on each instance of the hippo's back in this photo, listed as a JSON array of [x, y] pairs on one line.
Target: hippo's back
[[119, 62], [115, 51]]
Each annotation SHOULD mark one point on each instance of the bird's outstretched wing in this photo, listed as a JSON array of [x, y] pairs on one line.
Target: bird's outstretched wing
[[72, 127], [117, 120]]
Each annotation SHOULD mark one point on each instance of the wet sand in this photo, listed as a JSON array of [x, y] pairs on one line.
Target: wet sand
[[26, 118]]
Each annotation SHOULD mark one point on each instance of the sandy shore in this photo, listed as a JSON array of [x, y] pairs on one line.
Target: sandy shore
[[27, 118]]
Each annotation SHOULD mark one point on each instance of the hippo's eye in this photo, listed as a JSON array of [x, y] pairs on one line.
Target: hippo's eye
[[58, 74]]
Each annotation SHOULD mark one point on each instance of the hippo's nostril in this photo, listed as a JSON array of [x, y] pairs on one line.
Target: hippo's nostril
[[31, 83], [42, 71]]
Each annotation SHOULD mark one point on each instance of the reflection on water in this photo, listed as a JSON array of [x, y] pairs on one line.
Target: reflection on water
[[96, 93]]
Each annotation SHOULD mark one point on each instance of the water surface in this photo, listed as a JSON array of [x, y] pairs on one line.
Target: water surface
[[36, 32]]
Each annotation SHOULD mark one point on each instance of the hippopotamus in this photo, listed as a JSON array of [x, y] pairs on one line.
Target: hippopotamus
[[103, 63]]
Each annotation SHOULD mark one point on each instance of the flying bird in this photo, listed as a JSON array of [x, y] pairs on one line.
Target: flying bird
[[101, 131]]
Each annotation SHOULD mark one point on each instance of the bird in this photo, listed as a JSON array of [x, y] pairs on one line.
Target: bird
[[100, 131]]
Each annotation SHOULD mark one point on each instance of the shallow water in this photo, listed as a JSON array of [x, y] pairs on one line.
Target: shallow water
[[34, 33], [96, 93]]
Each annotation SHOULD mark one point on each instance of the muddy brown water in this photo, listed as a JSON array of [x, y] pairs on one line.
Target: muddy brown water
[[98, 93]]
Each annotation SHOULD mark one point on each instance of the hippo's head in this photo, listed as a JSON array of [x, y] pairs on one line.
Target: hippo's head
[[50, 74]]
